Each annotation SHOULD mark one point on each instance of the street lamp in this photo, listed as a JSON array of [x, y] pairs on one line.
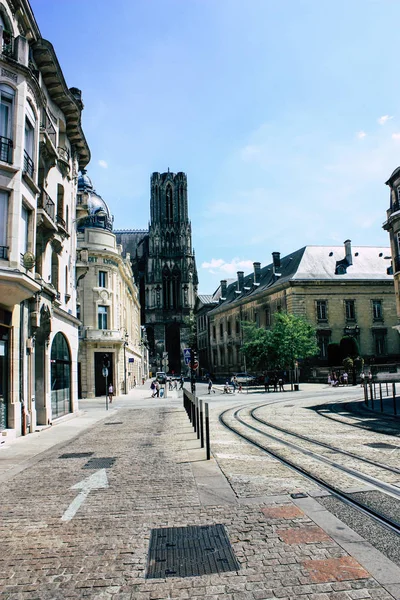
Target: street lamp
[[125, 345]]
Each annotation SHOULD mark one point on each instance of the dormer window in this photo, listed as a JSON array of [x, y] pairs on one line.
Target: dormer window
[[398, 193]]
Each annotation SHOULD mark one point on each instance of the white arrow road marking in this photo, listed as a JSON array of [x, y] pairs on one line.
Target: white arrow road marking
[[96, 481]]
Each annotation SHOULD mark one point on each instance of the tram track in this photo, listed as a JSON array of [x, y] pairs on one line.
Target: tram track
[[334, 490]]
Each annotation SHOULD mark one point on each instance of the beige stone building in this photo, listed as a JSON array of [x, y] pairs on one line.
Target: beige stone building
[[340, 290], [108, 303], [42, 146]]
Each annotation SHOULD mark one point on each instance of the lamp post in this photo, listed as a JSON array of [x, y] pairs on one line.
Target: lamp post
[[125, 345]]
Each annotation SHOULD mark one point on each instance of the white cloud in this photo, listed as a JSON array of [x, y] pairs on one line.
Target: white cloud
[[220, 266], [361, 135], [395, 136], [384, 119], [103, 164]]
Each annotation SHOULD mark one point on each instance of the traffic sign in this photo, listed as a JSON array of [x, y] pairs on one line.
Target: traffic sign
[[104, 372], [195, 365], [187, 355]]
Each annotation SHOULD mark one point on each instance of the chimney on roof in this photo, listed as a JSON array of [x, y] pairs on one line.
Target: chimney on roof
[[224, 286], [276, 262], [257, 272], [240, 281], [349, 256]]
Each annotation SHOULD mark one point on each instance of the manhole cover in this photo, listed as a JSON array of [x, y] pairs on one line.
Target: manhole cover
[[76, 455], [115, 423], [189, 552], [381, 445], [99, 463], [298, 495]]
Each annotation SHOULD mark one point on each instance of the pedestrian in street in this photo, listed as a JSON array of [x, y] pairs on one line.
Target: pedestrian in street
[[329, 380], [369, 377], [240, 389], [275, 383], [362, 378], [169, 384], [175, 384], [266, 383], [181, 382], [153, 389], [281, 388], [345, 378], [210, 386], [234, 383], [157, 389], [134, 381], [110, 392]]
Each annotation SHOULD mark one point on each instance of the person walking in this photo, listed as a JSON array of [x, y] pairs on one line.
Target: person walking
[[345, 378], [362, 378], [157, 389], [266, 383], [110, 392], [153, 389], [181, 382], [234, 383], [210, 386], [281, 388], [134, 381]]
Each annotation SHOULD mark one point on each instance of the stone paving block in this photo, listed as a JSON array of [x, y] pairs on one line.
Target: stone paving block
[[303, 535], [283, 512], [335, 569]]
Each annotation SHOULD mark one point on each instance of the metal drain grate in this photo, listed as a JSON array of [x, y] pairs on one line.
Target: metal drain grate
[[189, 552], [99, 463], [115, 423], [381, 445], [76, 455]]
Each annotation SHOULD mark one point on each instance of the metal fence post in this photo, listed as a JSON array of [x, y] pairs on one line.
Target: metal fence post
[[207, 432], [197, 418], [365, 393], [380, 396], [394, 400], [372, 396]]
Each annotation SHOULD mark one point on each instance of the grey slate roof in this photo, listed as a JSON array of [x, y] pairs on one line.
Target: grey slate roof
[[317, 263]]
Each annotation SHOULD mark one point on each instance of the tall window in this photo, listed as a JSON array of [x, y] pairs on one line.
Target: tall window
[[54, 270], [24, 230], [7, 96], [29, 138], [60, 201], [377, 312], [350, 310], [102, 314], [214, 332], [380, 342], [237, 329], [221, 330], [3, 223], [229, 327], [169, 203], [322, 314], [103, 279], [323, 338]]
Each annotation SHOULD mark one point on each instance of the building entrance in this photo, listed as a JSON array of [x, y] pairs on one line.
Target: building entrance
[[100, 381], [4, 334], [60, 361]]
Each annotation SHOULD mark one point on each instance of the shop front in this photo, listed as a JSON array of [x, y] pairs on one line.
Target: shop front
[[60, 361]]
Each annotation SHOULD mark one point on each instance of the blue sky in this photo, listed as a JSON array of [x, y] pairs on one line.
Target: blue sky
[[285, 115]]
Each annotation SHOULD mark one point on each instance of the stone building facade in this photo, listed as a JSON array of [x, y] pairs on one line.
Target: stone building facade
[[341, 291], [42, 147], [392, 226], [108, 302], [163, 263]]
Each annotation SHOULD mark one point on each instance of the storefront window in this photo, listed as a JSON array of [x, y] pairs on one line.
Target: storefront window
[[60, 377]]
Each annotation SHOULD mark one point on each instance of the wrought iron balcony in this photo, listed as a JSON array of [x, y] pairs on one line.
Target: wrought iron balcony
[[47, 126], [47, 204], [7, 46], [29, 166], [6, 148], [4, 252]]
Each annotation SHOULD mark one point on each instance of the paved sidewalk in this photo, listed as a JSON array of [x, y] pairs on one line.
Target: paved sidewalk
[[158, 478]]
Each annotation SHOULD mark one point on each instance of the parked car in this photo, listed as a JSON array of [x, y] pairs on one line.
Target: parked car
[[161, 377], [243, 378]]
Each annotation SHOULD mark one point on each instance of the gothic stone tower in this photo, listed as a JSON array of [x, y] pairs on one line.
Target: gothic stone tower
[[170, 278]]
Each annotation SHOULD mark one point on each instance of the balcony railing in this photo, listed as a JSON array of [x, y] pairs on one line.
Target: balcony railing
[[4, 252], [29, 167], [48, 127], [47, 204], [6, 148], [7, 46], [63, 153]]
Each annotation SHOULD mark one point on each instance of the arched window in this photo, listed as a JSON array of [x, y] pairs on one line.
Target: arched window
[[7, 101], [176, 287], [60, 376], [169, 204], [54, 270], [166, 278]]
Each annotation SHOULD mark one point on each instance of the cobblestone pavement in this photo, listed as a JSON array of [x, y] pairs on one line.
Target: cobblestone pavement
[[158, 479]]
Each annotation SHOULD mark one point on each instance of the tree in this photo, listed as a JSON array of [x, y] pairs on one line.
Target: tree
[[256, 347], [293, 338], [190, 323]]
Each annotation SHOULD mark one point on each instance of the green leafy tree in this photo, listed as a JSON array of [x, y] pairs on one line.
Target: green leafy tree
[[256, 347], [190, 322], [293, 338]]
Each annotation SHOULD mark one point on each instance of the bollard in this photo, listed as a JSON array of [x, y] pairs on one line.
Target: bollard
[[207, 432], [387, 389], [365, 394], [372, 396], [394, 400], [201, 425], [197, 417], [380, 396]]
